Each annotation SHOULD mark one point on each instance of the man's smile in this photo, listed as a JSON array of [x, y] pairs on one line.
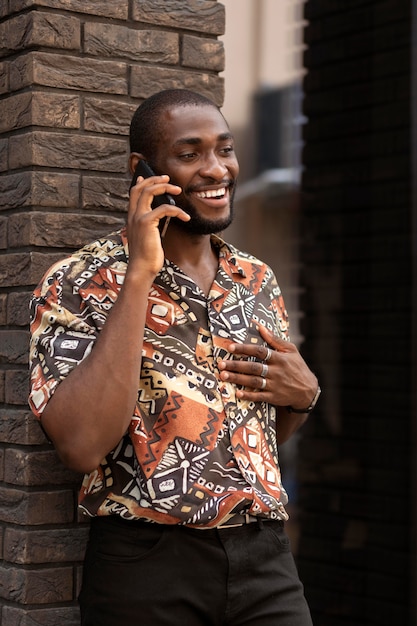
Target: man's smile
[[212, 193]]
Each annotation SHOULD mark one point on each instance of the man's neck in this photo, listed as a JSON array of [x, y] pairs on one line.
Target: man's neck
[[194, 254]]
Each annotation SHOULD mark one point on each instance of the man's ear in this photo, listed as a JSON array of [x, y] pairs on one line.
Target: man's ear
[[134, 158]]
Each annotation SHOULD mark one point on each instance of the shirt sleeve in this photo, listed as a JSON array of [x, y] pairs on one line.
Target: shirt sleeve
[[61, 334], [277, 306]]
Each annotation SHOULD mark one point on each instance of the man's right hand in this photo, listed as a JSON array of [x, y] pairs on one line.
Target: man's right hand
[[145, 248]]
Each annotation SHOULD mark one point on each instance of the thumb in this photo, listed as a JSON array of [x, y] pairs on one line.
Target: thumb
[[273, 340]]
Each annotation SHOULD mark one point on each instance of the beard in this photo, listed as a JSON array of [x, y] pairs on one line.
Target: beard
[[199, 225]]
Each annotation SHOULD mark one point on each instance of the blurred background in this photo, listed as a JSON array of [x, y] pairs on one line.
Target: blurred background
[[263, 44]]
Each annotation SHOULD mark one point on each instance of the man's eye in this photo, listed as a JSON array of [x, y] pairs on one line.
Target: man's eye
[[187, 156], [227, 150]]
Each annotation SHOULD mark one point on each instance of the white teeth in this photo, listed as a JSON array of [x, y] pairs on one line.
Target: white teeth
[[213, 193]]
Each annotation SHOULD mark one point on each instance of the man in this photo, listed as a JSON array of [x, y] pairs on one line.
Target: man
[[161, 368]]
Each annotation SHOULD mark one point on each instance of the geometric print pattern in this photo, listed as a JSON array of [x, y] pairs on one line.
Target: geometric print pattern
[[194, 453]]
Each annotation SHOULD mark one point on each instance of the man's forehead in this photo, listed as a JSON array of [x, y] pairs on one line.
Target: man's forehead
[[187, 124]]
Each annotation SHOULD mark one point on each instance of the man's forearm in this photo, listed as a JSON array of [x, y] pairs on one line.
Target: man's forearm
[[92, 408], [288, 423]]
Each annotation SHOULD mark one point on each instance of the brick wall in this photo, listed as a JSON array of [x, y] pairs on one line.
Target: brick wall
[[71, 74], [356, 553]]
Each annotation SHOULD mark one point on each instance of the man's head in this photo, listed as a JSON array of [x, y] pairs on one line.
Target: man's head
[[145, 128], [183, 134]]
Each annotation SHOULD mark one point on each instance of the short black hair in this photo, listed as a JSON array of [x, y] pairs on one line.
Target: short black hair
[[145, 132]]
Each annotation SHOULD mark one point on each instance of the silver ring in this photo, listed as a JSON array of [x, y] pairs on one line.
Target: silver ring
[[268, 354], [263, 384], [264, 371]]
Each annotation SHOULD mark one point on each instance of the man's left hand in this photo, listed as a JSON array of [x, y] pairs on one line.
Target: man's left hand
[[275, 373]]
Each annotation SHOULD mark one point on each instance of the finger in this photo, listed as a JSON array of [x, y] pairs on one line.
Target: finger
[[151, 180], [277, 343], [170, 210], [254, 395], [143, 193], [249, 368], [256, 351], [245, 380], [150, 220]]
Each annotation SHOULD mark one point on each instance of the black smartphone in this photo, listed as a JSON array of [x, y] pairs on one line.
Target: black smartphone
[[143, 169]]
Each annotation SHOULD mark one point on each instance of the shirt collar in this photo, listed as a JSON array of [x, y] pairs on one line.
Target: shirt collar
[[227, 256], [227, 253]]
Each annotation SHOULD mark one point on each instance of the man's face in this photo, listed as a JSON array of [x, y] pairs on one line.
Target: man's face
[[197, 152]]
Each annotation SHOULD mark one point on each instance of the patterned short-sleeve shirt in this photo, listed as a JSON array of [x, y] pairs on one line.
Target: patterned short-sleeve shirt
[[194, 453]]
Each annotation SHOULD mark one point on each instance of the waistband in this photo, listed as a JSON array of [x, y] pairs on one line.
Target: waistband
[[242, 520], [235, 521]]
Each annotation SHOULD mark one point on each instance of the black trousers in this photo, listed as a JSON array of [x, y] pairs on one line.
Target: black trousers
[[142, 574]]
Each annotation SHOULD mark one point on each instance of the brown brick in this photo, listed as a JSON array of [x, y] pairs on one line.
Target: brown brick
[[42, 586], [59, 230], [36, 468], [1, 464], [25, 268], [3, 309], [111, 40], [4, 77], [40, 263], [145, 80], [40, 29], [55, 110], [46, 189], [4, 154], [19, 506], [14, 346], [50, 189], [200, 15], [3, 232], [16, 112], [68, 72], [13, 616], [2, 386], [108, 116], [20, 427], [118, 10], [202, 53], [105, 193], [72, 151], [15, 191], [45, 546], [17, 387], [15, 270], [18, 308]]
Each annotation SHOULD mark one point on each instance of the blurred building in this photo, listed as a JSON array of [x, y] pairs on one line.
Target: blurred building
[[263, 44]]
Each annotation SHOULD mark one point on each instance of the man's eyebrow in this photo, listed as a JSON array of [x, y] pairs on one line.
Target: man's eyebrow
[[194, 141]]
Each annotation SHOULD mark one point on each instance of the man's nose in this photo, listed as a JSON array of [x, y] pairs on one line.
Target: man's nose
[[213, 167]]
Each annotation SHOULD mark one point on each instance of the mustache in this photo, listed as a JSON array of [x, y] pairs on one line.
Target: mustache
[[204, 186]]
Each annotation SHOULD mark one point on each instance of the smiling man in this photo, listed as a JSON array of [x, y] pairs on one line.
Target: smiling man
[[161, 368]]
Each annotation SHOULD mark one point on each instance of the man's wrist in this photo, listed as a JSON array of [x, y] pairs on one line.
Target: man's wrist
[[310, 407]]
